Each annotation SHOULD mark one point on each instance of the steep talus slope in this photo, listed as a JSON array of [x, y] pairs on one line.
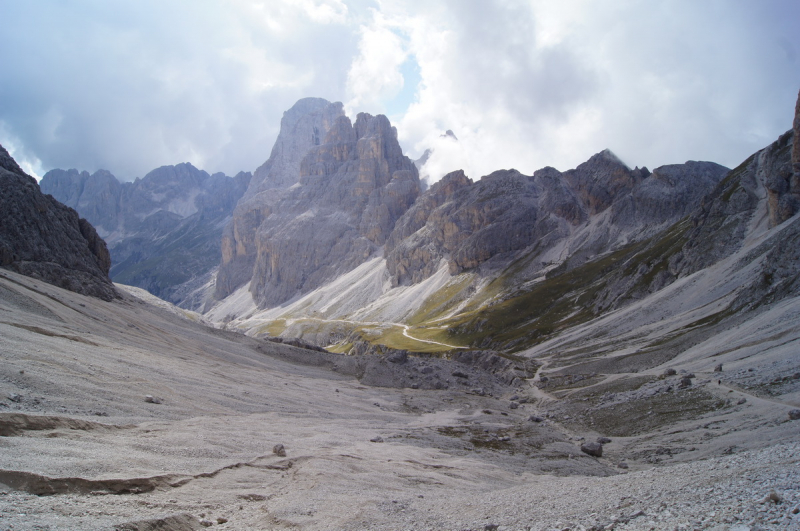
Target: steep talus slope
[[723, 266], [44, 239], [163, 230]]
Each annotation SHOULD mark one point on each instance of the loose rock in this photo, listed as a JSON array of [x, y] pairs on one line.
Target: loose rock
[[594, 449], [279, 450], [794, 414], [773, 497]]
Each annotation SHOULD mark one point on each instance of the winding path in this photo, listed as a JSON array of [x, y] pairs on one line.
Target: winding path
[[373, 323]]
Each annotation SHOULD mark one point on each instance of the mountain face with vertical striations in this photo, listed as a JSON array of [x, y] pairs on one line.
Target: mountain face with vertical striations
[[44, 239], [302, 127], [163, 230], [351, 185]]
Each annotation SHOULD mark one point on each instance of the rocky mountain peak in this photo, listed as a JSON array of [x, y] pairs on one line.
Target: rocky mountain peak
[[163, 230], [302, 127], [601, 180], [344, 185], [450, 183], [352, 189]]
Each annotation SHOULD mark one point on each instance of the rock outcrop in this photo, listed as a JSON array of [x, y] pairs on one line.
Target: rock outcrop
[[163, 230], [783, 183], [796, 143], [44, 239]]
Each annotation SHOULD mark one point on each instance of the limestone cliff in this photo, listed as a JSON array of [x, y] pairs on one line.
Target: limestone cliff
[[302, 127], [783, 184], [44, 239], [352, 189]]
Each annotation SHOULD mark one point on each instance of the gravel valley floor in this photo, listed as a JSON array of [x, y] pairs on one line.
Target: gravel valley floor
[[122, 415]]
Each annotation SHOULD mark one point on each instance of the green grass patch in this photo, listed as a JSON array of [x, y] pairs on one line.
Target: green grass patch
[[393, 338], [273, 328], [637, 417], [340, 348], [549, 306], [657, 253], [443, 301]]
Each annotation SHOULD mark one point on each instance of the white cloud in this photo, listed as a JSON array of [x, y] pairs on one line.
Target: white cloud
[[526, 85], [324, 11], [131, 86], [29, 163], [139, 85], [374, 75]]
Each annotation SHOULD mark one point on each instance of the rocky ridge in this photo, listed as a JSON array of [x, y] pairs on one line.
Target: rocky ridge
[[511, 262], [308, 218], [42, 238], [506, 214]]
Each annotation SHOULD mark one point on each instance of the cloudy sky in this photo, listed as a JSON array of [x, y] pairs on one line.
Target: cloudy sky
[[128, 86]]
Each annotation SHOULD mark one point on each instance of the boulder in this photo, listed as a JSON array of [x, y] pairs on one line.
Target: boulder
[[595, 449]]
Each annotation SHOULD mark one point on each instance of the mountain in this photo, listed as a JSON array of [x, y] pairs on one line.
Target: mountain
[[43, 239], [337, 244], [163, 230], [654, 386], [506, 215], [348, 184], [301, 129]]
